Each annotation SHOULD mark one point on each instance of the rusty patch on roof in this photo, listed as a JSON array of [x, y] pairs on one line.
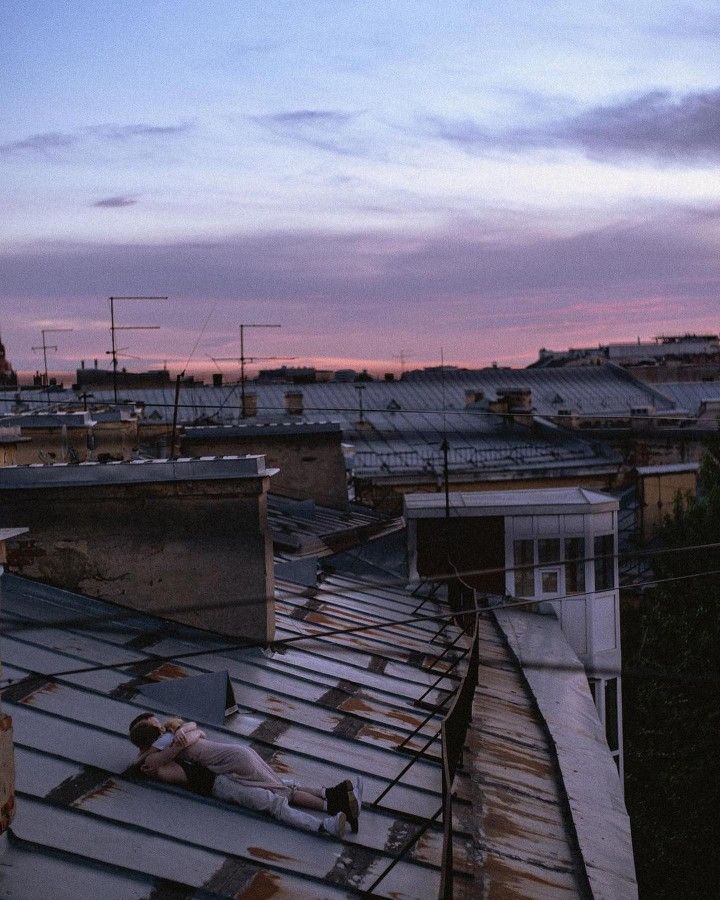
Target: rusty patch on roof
[[89, 782], [146, 670], [22, 691], [232, 878], [263, 886], [269, 731], [352, 866], [399, 834], [348, 727], [336, 697], [304, 611]]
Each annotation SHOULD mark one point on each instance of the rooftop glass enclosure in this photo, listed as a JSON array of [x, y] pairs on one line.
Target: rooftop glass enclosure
[[558, 552]]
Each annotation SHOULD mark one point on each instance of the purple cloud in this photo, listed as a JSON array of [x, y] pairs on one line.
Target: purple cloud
[[486, 291], [323, 129], [53, 141], [115, 202], [656, 126]]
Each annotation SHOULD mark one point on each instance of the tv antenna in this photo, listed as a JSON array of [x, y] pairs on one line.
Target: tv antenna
[[114, 351], [403, 358], [45, 347], [242, 359]]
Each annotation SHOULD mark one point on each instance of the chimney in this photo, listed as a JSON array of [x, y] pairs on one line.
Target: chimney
[[96, 365], [150, 535], [472, 397], [249, 406], [217, 379], [294, 402], [82, 363], [7, 760]]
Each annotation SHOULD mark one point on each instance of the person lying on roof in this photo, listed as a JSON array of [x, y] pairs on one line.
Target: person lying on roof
[[178, 752]]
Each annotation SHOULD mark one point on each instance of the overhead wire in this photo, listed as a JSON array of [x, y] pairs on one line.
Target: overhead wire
[[320, 634], [365, 586]]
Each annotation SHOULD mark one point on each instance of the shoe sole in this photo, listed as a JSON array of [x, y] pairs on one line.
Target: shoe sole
[[353, 804]]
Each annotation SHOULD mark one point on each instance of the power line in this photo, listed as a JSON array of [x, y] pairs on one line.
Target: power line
[[367, 587], [357, 629]]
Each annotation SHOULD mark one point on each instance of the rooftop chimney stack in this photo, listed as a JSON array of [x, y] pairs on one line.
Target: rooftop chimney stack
[[217, 379], [249, 406], [294, 402], [472, 397]]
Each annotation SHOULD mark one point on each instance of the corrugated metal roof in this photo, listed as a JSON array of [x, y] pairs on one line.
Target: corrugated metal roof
[[324, 709], [690, 394], [403, 423], [589, 776], [329, 707], [302, 528]]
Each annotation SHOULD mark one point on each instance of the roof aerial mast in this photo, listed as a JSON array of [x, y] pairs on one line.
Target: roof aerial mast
[[242, 359], [113, 328], [45, 347]]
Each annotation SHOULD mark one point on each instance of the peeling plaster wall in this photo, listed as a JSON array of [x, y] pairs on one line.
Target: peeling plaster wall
[[177, 549]]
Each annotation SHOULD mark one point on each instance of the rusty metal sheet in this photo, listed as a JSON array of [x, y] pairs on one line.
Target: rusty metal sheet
[[589, 777], [153, 855]]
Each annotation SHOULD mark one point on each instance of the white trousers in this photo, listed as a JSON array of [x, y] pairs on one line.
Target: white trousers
[[262, 800]]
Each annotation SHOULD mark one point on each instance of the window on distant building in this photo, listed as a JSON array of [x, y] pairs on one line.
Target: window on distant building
[[574, 565], [604, 563], [524, 556]]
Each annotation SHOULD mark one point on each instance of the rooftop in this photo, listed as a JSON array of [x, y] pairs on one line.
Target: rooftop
[[330, 706], [321, 709], [302, 528], [518, 502], [39, 475]]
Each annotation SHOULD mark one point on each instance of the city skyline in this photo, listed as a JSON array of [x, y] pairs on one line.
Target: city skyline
[[478, 179]]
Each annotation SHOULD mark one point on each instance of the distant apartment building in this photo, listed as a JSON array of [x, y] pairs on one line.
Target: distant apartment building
[[686, 357]]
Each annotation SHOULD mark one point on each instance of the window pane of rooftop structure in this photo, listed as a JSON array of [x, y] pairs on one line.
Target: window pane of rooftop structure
[[550, 582], [574, 565], [611, 713], [549, 550], [524, 577], [604, 563]]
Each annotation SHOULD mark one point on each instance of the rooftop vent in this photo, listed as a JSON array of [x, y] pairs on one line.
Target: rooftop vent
[[249, 406], [294, 402]]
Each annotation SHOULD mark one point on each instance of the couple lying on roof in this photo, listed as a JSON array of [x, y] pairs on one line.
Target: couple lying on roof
[[178, 752]]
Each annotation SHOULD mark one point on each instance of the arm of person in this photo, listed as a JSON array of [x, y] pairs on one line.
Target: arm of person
[[184, 737]]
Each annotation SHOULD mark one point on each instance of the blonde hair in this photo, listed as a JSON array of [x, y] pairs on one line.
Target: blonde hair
[[173, 724]]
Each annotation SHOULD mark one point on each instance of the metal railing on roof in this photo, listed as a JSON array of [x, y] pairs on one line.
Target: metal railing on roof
[[453, 730]]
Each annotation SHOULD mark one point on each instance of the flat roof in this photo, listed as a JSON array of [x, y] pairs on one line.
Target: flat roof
[[254, 429], [670, 469], [204, 468], [49, 420], [536, 501]]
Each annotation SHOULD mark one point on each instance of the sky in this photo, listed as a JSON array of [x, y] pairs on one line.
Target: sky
[[480, 179]]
